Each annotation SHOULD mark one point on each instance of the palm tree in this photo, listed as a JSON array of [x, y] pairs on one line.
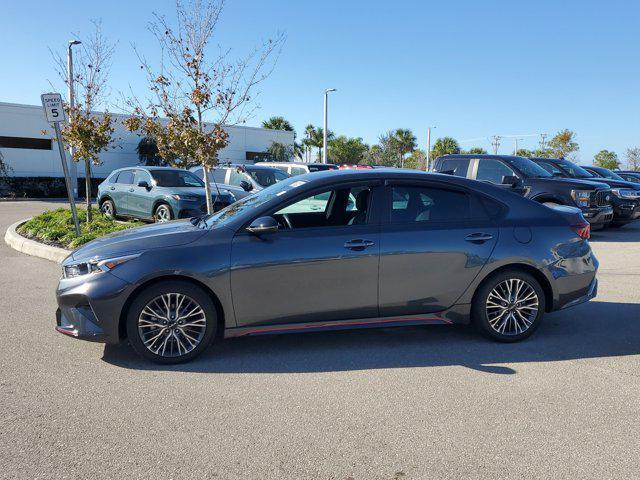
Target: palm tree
[[445, 146], [280, 123], [404, 141], [315, 137]]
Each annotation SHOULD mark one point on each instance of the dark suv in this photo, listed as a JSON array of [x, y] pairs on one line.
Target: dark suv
[[529, 179], [625, 197]]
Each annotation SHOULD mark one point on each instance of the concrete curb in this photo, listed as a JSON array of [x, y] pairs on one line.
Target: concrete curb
[[31, 247]]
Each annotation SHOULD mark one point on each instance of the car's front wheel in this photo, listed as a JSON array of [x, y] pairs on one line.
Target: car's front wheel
[[509, 306], [171, 322]]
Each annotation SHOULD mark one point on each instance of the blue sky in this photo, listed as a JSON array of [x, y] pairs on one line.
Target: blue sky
[[471, 68]]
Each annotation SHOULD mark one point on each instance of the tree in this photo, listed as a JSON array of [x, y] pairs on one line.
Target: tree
[[403, 141], [190, 86], [632, 155], [477, 151], [444, 146], [4, 168], [314, 138], [147, 150], [384, 153], [606, 159], [279, 152], [346, 150], [417, 160], [563, 145], [523, 152], [89, 133], [280, 123]]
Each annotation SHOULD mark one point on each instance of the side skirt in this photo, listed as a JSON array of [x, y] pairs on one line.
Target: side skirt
[[380, 322]]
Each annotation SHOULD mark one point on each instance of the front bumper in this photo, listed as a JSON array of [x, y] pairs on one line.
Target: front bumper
[[625, 211], [89, 307], [598, 215]]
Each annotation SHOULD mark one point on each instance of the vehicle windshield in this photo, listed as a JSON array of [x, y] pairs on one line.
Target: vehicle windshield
[[609, 174], [252, 202], [175, 178], [528, 167], [573, 169], [267, 177]]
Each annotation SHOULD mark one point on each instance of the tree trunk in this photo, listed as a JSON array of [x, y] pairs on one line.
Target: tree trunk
[[87, 179], [207, 189]]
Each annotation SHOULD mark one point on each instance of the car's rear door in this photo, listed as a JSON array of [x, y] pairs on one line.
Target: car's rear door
[[120, 192], [435, 239], [325, 267], [140, 199]]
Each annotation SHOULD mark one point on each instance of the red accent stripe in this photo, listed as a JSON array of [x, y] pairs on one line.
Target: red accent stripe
[[66, 331], [340, 324]]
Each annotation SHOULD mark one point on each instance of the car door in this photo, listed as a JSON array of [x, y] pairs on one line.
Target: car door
[[324, 266], [120, 191], [435, 239], [140, 199]]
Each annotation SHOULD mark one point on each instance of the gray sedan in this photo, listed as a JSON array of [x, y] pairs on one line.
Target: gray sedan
[[331, 250]]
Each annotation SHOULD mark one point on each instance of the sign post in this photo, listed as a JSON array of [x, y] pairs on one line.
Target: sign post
[[54, 111]]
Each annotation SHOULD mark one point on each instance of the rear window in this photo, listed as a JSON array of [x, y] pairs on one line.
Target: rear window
[[318, 168], [454, 166]]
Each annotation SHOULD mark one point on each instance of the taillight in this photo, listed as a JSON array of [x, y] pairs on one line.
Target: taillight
[[582, 229]]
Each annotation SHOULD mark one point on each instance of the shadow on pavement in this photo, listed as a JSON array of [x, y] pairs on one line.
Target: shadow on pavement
[[595, 329], [626, 233]]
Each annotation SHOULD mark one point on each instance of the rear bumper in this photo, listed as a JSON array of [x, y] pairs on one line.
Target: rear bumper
[[591, 293]]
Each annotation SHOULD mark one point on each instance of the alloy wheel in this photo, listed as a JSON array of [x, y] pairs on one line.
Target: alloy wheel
[[163, 214], [172, 325], [512, 307], [107, 209]]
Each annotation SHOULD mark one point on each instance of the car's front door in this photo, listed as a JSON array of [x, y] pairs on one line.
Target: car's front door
[[435, 239], [322, 264], [140, 200]]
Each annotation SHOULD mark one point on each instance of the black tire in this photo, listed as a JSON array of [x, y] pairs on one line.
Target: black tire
[[190, 291], [480, 307], [108, 208], [161, 212]]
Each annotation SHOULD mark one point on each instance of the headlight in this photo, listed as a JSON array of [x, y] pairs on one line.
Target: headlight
[[95, 266], [625, 193], [581, 197], [186, 198]]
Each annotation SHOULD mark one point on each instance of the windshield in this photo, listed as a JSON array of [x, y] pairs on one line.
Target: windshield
[[252, 202], [606, 173], [573, 169], [175, 178], [267, 177], [528, 167]]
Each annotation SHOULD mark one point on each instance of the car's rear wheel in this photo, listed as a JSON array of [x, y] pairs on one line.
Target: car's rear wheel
[[171, 322], [509, 306], [108, 208], [162, 213]]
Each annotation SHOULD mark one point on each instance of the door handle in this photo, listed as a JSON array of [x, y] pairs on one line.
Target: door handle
[[112, 188], [358, 244], [478, 237]]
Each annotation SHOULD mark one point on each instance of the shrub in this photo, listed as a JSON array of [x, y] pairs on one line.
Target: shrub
[[55, 227]]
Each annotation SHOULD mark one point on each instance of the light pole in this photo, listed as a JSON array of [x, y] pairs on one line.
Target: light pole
[[72, 102], [428, 149], [324, 125]]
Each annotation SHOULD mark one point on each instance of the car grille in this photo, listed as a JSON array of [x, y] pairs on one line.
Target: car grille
[[599, 198]]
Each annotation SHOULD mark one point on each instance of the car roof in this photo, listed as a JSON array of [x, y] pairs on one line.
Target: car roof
[[480, 156], [148, 167]]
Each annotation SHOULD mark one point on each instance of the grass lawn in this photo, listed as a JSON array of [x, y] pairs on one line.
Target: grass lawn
[[55, 227]]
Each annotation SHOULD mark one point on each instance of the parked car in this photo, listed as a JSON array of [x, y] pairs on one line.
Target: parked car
[[625, 197], [346, 166], [417, 249], [241, 180], [299, 168], [156, 193], [629, 175], [521, 175]]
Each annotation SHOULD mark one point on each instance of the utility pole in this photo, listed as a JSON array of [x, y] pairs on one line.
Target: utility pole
[[496, 143], [428, 165], [515, 148], [72, 102], [324, 125]]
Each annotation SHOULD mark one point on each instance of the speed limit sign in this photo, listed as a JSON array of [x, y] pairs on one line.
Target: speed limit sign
[[53, 109]]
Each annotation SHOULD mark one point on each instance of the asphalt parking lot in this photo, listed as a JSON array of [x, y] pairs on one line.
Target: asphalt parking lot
[[406, 403]]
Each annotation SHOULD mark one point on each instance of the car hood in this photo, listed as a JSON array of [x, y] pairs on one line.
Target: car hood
[[575, 183], [138, 239], [618, 183]]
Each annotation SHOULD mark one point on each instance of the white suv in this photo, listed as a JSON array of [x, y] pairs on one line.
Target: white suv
[[241, 180], [297, 168]]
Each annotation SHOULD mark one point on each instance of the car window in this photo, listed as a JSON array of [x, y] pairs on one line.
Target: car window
[[176, 178], [125, 177], [491, 170], [141, 176], [237, 177], [550, 167], [428, 204], [217, 175], [456, 166], [338, 207], [267, 177], [298, 171], [574, 169]]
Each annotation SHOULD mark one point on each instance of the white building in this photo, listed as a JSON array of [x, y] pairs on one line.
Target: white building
[[31, 153]]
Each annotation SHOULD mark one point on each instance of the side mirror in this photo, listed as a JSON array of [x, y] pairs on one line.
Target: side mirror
[[263, 225], [246, 186], [144, 184], [510, 180]]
